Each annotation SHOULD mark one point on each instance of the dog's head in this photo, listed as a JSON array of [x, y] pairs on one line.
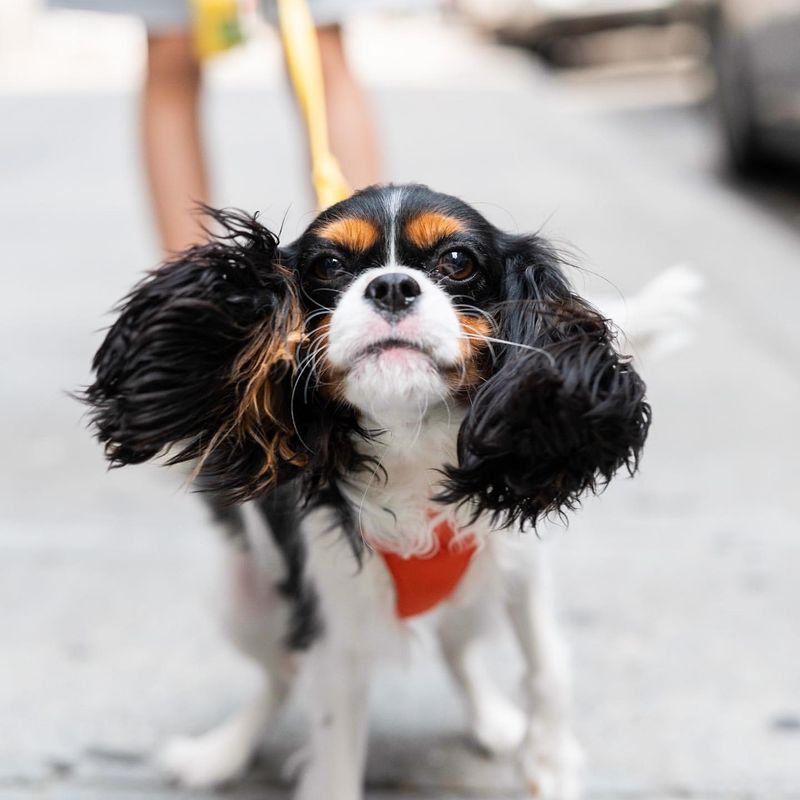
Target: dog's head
[[265, 363]]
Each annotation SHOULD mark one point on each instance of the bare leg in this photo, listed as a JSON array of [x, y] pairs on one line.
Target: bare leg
[[550, 757], [497, 725], [173, 154], [352, 131]]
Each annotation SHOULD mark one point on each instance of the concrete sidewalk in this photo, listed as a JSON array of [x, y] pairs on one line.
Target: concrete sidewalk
[[679, 589]]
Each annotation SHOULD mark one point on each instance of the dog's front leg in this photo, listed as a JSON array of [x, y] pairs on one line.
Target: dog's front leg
[[339, 698], [355, 611], [550, 757]]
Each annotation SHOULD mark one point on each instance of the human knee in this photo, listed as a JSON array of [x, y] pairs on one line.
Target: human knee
[[331, 48], [171, 59]]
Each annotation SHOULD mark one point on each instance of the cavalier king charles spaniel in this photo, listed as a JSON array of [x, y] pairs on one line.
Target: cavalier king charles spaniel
[[379, 414]]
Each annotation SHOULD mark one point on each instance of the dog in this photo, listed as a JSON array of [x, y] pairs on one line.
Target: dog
[[380, 415]]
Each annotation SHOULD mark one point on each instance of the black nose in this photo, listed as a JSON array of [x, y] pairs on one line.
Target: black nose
[[393, 292]]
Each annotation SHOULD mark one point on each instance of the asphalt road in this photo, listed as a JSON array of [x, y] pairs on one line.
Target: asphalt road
[[679, 589]]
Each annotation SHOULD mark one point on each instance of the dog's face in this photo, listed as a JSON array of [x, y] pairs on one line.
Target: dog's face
[[268, 364], [398, 283]]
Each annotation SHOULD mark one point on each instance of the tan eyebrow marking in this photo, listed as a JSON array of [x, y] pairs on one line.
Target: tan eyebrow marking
[[430, 227], [354, 233]]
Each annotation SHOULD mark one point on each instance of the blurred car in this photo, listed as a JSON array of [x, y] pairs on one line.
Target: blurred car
[[756, 58], [539, 24]]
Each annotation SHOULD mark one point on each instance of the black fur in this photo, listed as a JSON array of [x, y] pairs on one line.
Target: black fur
[[228, 517], [163, 373], [281, 508], [562, 412]]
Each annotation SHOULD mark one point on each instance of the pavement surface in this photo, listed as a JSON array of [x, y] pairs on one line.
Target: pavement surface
[[680, 589]]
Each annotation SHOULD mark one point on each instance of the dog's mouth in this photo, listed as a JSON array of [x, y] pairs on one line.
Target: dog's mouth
[[393, 343]]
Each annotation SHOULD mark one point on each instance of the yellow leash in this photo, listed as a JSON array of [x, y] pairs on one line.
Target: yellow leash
[[305, 70], [217, 28]]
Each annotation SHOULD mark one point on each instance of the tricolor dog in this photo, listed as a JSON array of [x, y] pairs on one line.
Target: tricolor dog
[[380, 414]]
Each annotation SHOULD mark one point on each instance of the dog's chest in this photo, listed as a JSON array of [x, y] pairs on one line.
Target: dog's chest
[[427, 549], [394, 501]]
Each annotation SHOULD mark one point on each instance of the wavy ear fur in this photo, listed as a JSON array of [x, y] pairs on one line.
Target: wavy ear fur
[[563, 410], [200, 360]]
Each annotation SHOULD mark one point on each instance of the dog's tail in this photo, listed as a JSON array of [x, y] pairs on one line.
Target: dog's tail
[[660, 318]]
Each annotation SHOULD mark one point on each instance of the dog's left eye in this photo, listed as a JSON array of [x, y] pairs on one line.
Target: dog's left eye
[[326, 268], [457, 265]]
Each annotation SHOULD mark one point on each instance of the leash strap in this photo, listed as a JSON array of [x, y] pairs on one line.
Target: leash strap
[[305, 70]]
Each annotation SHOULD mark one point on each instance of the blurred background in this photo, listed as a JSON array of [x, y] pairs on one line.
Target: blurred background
[[639, 133]]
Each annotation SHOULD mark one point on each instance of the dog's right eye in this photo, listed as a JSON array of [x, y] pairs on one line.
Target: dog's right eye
[[326, 268], [457, 265]]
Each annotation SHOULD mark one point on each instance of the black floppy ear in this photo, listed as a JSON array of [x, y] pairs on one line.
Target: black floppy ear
[[199, 360], [562, 411]]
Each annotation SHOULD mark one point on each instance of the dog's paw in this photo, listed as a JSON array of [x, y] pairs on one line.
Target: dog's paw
[[204, 761], [500, 728], [552, 766]]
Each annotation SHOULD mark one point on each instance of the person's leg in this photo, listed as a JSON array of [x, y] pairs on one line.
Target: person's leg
[[351, 128], [173, 153]]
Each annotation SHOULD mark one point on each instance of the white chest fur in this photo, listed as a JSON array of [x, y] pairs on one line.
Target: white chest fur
[[393, 500]]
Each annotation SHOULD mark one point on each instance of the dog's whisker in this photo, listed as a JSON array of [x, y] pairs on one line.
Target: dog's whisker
[[309, 366], [480, 311], [520, 345], [314, 371], [477, 337], [315, 314]]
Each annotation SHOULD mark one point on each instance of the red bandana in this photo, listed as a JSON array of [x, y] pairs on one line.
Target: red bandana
[[422, 582]]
